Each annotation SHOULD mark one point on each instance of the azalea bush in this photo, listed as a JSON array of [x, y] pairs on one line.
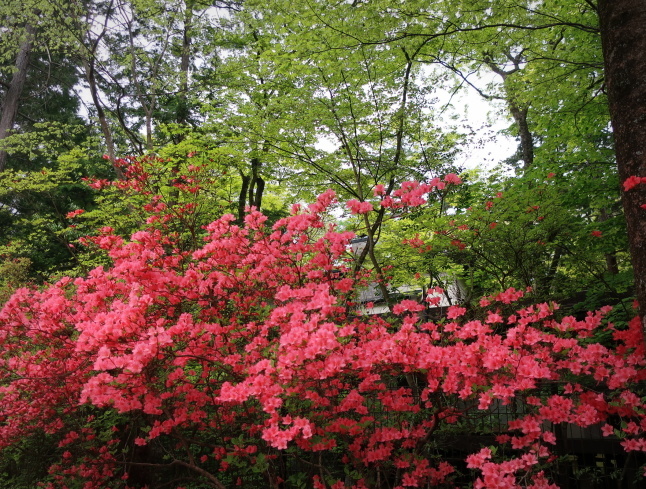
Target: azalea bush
[[247, 362], [517, 233], [173, 194]]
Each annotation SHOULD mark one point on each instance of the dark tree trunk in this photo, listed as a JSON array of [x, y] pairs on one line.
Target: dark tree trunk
[[242, 197], [526, 138], [103, 120], [256, 185], [251, 192], [12, 97], [623, 37], [260, 188]]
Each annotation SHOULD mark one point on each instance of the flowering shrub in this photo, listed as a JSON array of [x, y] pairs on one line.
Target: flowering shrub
[[250, 350], [632, 182], [177, 196]]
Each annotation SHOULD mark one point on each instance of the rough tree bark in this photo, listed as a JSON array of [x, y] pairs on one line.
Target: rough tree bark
[[623, 37]]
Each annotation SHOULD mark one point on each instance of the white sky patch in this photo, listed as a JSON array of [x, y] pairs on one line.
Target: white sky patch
[[482, 122], [327, 144]]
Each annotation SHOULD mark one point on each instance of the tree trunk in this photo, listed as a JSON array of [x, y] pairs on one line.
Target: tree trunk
[[526, 138], [253, 186], [256, 185], [518, 112], [611, 258], [242, 197], [90, 74], [182, 112], [12, 97], [623, 37]]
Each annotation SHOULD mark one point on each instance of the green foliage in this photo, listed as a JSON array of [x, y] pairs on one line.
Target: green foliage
[[14, 273], [34, 205], [513, 232], [26, 465]]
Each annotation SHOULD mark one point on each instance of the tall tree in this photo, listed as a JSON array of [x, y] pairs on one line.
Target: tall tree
[[14, 89], [370, 103], [623, 35], [32, 42], [40, 125]]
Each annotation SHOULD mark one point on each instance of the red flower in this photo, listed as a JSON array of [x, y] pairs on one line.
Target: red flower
[[459, 244], [75, 213], [452, 178], [632, 182], [357, 207]]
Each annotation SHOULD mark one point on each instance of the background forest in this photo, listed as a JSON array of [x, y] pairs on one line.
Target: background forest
[[141, 116], [280, 102]]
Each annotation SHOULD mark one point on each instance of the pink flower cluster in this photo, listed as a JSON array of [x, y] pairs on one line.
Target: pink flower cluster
[[253, 344], [631, 182]]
